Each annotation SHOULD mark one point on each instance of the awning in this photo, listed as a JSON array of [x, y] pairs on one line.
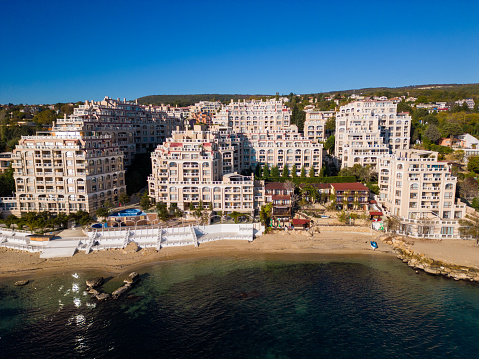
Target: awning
[[375, 213], [300, 222]]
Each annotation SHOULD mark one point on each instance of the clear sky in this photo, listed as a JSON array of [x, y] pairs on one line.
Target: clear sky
[[61, 51]]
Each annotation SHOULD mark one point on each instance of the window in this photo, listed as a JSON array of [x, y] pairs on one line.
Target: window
[[398, 193], [398, 183], [414, 186], [413, 195], [447, 230]]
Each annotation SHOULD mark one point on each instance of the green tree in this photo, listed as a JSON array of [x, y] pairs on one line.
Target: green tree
[[265, 214], [266, 173], [162, 210], [330, 124], [124, 198], [275, 173], [145, 202], [102, 212], [473, 164], [329, 144], [294, 171], [285, 173], [452, 129], [311, 172], [303, 172], [432, 133]]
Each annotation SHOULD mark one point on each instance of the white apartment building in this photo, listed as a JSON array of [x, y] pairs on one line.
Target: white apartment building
[[284, 148], [421, 192], [314, 124], [189, 168], [135, 128], [254, 116], [65, 172], [368, 130], [204, 158]]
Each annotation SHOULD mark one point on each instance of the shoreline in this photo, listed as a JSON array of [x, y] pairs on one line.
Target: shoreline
[[281, 245]]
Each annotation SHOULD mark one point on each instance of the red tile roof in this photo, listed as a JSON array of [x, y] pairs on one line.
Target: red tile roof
[[274, 185], [300, 222], [356, 186], [280, 197]]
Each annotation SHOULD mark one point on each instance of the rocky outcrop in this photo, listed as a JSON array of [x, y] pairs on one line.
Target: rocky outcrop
[[95, 282], [20, 283], [132, 278], [123, 289], [420, 261], [131, 247]]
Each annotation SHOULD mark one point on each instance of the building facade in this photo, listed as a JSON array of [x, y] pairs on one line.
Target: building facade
[[420, 191], [134, 128], [315, 123], [65, 172], [254, 116], [194, 166], [368, 130]]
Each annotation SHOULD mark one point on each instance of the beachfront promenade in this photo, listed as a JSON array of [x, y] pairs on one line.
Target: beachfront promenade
[[64, 245]]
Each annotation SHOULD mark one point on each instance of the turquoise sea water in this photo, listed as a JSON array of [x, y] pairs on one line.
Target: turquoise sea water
[[293, 307]]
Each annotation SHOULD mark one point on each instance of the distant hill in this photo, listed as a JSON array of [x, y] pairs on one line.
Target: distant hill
[[187, 100], [433, 92]]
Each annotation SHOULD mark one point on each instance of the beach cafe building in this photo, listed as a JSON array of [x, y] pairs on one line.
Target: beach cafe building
[[280, 197]]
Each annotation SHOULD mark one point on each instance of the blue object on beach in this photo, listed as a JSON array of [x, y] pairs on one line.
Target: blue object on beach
[[374, 245]]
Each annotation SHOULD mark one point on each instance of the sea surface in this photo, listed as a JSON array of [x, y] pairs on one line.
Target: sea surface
[[289, 307]]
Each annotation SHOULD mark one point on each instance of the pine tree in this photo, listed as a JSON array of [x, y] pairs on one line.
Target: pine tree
[[275, 173], [285, 173], [303, 172], [311, 172], [293, 172], [266, 173]]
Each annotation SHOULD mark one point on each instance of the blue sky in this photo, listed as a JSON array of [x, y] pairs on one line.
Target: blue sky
[[60, 51]]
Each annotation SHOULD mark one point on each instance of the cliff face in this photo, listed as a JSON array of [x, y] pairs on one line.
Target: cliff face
[[429, 265]]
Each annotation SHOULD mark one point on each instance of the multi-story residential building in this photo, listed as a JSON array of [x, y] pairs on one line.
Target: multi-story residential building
[[66, 172], [421, 192], [368, 130], [279, 195], [133, 127], [314, 124], [350, 195], [201, 156], [192, 167], [283, 148], [254, 116], [469, 101], [5, 160]]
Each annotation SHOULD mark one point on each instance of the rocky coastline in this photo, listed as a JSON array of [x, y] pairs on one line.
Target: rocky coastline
[[419, 261]]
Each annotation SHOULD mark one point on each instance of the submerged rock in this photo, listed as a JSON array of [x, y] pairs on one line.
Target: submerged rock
[[102, 296], [95, 282], [93, 291], [132, 278], [20, 283], [117, 293]]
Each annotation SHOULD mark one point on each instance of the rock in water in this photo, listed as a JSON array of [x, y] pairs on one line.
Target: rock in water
[[94, 292], [132, 278], [95, 282], [19, 283], [116, 294], [102, 296]]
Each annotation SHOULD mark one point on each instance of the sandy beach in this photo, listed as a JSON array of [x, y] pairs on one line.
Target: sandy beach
[[333, 241], [336, 240]]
